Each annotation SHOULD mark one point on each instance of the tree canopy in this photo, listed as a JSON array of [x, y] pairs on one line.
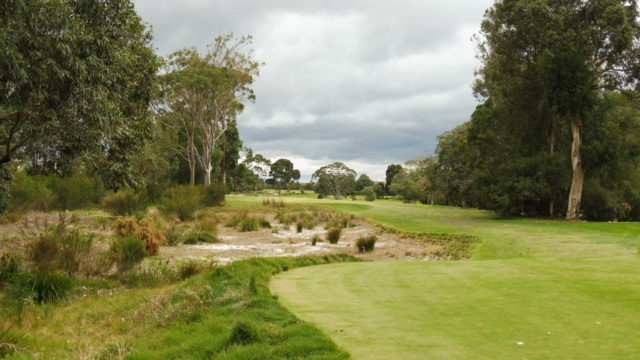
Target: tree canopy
[[75, 79], [336, 179]]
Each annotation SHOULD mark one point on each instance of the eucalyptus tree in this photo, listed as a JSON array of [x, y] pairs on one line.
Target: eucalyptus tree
[[202, 95], [553, 60], [283, 174], [336, 179], [75, 78]]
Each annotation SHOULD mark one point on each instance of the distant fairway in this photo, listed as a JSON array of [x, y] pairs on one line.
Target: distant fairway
[[555, 290]]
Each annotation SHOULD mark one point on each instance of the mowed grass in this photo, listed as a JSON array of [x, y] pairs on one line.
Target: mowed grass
[[505, 309], [534, 289]]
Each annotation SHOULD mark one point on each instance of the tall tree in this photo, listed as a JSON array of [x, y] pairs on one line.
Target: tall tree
[[565, 53], [75, 78], [336, 179], [202, 95], [283, 174], [392, 170]]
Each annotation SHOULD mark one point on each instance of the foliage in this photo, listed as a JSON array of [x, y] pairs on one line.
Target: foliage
[[124, 203], [363, 182], [201, 96], [283, 174], [333, 235], [127, 252], [88, 94], [391, 171], [366, 244], [10, 266], [182, 200], [145, 230], [214, 194], [547, 67], [74, 192], [248, 224], [31, 193], [336, 179], [198, 236]]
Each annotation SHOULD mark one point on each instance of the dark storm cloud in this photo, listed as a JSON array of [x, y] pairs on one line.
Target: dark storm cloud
[[364, 82]]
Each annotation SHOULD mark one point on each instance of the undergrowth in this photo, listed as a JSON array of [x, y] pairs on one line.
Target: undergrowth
[[224, 313]]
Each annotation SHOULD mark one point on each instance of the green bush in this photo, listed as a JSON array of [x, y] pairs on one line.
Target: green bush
[[333, 235], [368, 193], [43, 251], [366, 243], [124, 203], [75, 192], [127, 252], [213, 195], [38, 287], [10, 264], [75, 247], [249, 224], [314, 240], [182, 201], [9, 340], [190, 268], [31, 193], [205, 236], [174, 235], [264, 223]]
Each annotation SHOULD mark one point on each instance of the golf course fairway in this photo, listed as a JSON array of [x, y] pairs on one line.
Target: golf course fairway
[[533, 289], [500, 309]]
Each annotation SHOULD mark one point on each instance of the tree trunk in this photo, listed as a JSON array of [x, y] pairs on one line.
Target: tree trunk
[[207, 174], [192, 173], [575, 195], [224, 176]]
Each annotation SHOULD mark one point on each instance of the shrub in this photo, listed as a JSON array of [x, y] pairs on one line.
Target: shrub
[[124, 203], [43, 251], [248, 224], [195, 237], [75, 247], [144, 230], [49, 287], [333, 235], [264, 223], [31, 193], [183, 201], [366, 243], [207, 224], [9, 340], [190, 268], [10, 264], [299, 226], [368, 193], [127, 252], [174, 235], [213, 195], [315, 239], [74, 192]]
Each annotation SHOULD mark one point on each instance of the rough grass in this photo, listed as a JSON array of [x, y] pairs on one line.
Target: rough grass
[[226, 313]]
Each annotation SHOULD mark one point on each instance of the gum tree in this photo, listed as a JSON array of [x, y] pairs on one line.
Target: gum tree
[[555, 59]]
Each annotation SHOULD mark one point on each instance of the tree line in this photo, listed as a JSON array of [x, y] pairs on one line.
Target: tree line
[[557, 132]]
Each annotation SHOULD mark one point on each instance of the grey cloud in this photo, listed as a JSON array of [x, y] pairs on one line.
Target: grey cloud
[[367, 82]]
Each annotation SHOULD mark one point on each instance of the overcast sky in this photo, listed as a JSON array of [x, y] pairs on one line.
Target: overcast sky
[[365, 82]]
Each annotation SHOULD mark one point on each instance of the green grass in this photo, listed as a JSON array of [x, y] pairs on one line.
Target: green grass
[[227, 313], [500, 238], [558, 309], [565, 290]]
